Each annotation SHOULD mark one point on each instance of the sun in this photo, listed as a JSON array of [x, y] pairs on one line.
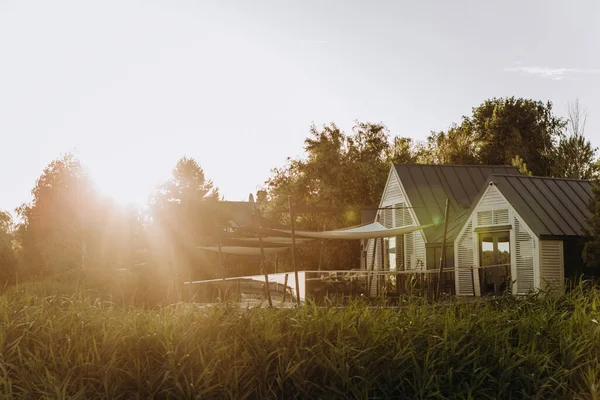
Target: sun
[[123, 189]]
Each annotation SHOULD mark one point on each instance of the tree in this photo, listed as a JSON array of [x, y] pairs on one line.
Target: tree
[[182, 212], [591, 251], [405, 151], [338, 170], [8, 259], [497, 131], [521, 165], [69, 226], [52, 230], [575, 156], [456, 146]]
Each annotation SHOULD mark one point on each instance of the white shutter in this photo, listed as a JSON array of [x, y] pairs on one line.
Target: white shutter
[[388, 217], [409, 251], [493, 217], [407, 217], [484, 218], [464, 265], [524, 257], [500, 217], [401, 215], [419, 245], [370, 245], [373, 277], [552, 268]]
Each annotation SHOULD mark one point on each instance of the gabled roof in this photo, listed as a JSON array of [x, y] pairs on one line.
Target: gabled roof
[[428, 186], [551, 207]]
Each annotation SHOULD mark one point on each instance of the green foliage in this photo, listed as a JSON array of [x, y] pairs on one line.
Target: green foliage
[[591, 252], [338, 170], [182, 212], [52, 229], [69, 227], [518, 162], [405, 151], [499, 129], [60, 344], [575, 156], [456, 146], [8, 259]]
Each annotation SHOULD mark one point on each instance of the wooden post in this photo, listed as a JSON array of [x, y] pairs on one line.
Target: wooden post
[[370, 276], [322, 248], [294, 250], [190, 291], [224, 284], [276, 262], [443, 257], [264, 267], [285, 281], [381, 278]]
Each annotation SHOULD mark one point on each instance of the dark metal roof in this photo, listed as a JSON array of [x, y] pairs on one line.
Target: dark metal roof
[[549, 206], [428, 186]]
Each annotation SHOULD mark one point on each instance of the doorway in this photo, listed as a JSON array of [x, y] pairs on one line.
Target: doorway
[[494, 262]]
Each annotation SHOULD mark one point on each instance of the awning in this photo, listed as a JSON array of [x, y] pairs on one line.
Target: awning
[[269, 240], [245, 251], [367, 231], [231, 240]]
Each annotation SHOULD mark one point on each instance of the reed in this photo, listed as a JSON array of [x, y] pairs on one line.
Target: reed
[[58, 342]]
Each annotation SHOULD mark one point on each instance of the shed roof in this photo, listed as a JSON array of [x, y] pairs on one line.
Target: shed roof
[[428, 186], [549, 206]]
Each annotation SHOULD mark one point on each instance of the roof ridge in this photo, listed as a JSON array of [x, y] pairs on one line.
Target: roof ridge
[[543, 177], [454, 165]]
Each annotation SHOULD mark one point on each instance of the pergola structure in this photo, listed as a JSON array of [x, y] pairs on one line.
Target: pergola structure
[[275, 241]]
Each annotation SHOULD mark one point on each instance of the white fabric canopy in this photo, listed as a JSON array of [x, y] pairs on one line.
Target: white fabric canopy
[[276, 240], [368, 231], [245, 251]]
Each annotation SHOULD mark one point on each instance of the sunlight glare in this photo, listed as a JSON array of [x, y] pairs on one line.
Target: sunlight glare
[[123, 188]]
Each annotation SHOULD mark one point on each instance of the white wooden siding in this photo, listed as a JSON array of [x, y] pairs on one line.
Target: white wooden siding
[[552, 265], [524, 252], [419, 244], [492, 199], [394, 217], [492, 209], [392, 189], [464, 262]]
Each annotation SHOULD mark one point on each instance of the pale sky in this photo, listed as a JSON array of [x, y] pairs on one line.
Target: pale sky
[[132, 86]]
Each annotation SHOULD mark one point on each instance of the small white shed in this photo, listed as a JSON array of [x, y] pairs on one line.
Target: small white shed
[[518, 232]]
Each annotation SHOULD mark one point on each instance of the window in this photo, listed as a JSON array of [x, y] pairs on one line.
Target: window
[[494, 262]]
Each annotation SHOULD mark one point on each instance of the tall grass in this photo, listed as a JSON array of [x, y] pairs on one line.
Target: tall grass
[[58, 344]]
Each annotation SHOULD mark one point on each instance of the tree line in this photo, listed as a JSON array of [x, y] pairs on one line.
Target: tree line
[[68, 227]]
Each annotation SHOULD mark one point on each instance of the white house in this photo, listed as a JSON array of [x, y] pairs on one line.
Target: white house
[[415, 194], [518, 234]]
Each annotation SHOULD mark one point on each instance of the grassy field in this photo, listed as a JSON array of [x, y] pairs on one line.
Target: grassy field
[[55, 343]]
